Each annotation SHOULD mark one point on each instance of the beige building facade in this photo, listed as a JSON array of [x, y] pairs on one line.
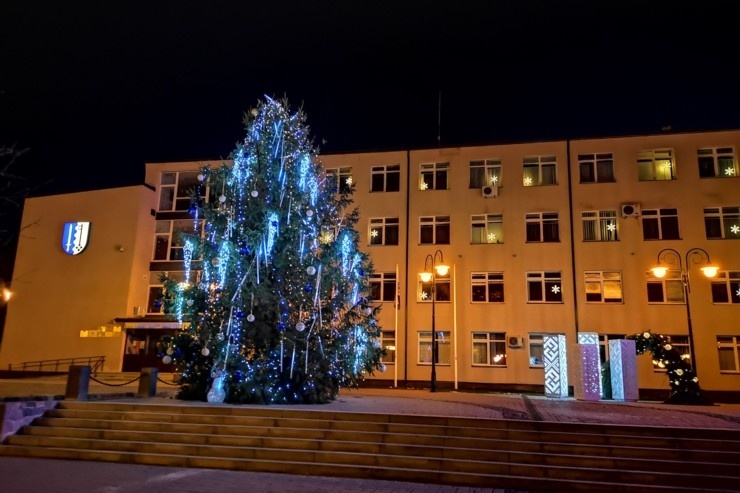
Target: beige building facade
[[541, 238]]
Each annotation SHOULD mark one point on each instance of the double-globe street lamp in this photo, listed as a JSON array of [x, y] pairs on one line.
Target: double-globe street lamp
[[433, 268], [697, 256]]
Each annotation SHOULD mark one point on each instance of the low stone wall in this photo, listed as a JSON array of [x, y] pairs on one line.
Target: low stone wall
[[16, 414]]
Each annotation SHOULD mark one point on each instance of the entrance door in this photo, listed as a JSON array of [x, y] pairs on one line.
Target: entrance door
[[145, 349]]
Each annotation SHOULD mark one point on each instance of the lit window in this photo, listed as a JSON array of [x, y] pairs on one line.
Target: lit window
[[603, 286], [539, 171], [486, 228], [717, 162], [485, 173], [599, 225], [425, 347], [728, 352], [434, 176], [668, 289], [489, 349], [656, 165]]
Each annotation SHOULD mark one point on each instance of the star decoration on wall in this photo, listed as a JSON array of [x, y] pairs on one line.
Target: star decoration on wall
[[611, 227], [730, 171], [556, 289], [374, 233], [424, 295], [348, 181], [494, 179], [735, 229], [738, 293], [491, 237], [423, 185], [527, 181]]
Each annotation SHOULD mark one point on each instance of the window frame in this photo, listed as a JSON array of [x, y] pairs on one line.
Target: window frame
[[710, 159], [490, 225], [545, 279], [596, 163], [662, 220], [424, 345], [724, 220], [653, 163], [485, 172], [728, 281], [438, 225], [181, 191], [670, 284], [492, 342], [389, 358], [486, 280], [383, 225], [602, 220], [732, 342], [442, 291], [340, 178], [385, 283], [385, 172], [594, 277], [536, 340], [548, 230], [541, 164], [438, 175], [171, 236]]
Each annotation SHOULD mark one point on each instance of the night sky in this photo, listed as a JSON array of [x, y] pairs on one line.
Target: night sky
[[96, 89]]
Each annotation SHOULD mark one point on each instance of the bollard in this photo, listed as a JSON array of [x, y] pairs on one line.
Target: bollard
[[78, 382], [148, 382]]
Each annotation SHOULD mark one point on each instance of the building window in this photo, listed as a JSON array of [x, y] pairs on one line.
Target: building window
[[485, 172], [340, 179], [678, 343], [728, 352], [660, 224], [656, 165], [489, 349], [717, 162], [599, 225], [178, 189], [603, 286], [596, 168], [540, 170], [434, 176], [383, 231], [726, 287], [544, 287], [441, 289], [722, 223], [155, 295], [383, 286], [385, 178], [668, 289], [169, 240], [425, 348], [542, 227], [434, 230], [486, 228], [487, 287], [388, 342], [536, 350]]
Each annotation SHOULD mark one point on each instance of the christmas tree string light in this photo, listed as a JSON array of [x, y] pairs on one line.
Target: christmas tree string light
[[276, 306]]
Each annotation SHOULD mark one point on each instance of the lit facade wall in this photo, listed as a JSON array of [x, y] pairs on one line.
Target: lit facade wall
[[62, 302], [525, 265]]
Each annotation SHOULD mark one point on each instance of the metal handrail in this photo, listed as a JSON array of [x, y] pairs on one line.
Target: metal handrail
[[59, 365]]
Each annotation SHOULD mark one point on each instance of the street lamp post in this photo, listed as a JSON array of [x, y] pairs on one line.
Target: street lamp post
[[432, 268], [697, 256]]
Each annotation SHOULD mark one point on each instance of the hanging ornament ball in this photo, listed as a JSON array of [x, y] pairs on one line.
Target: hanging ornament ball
[[281, 326], [254, 193], [309, 213], [167, 360], [205, 351], [300, 326], [250, 317], [201, 177], [381, 368], [254, 112], [368, 311], [222, 199], [215, 261], [190, 302], [376, 344], [170, 351], [311, 270], [220, 336]]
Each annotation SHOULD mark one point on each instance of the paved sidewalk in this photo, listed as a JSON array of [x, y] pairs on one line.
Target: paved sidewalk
[[18, 475]]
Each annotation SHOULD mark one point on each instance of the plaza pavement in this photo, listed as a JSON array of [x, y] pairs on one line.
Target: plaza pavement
[[19, 475]]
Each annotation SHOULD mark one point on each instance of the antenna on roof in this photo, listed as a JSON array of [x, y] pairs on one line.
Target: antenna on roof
[[439, 118]]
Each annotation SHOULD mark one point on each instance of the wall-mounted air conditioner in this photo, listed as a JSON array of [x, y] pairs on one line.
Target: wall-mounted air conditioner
[[515, 341], [630, 210], [489, 191]]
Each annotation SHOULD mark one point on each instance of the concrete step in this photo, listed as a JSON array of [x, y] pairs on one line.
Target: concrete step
[[458, 451]]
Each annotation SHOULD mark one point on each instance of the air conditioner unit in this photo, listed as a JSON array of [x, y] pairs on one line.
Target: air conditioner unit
[[630, 210], [516, 341], [489, 191]]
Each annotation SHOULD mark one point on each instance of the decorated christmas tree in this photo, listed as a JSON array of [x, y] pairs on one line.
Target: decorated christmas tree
[[275, 298]]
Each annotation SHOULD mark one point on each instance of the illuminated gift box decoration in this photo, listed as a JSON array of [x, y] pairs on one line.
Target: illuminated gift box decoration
[[623, 367], [587, 367], [556, 365]]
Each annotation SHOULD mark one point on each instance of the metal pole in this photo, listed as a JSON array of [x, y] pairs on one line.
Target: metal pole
[[686, 291], [433, 387]]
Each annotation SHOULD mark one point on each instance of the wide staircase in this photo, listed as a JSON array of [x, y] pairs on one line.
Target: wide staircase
[[516, 454]]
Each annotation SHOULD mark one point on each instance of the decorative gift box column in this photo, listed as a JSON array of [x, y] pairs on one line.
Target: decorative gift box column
[[556, 365], [623, 366], [587, 371]]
